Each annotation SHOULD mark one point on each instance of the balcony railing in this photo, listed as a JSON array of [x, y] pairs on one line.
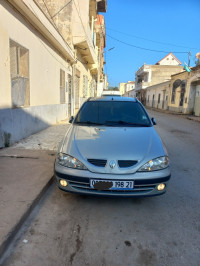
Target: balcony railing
[[85, 41], [141, 85]]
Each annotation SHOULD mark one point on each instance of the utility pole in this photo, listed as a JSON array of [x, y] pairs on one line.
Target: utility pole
[[189, 56]]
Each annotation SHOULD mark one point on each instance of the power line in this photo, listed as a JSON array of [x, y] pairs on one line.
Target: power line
[[142, 48], [54, 24], [78, 12], [61, 9], [142, 38]]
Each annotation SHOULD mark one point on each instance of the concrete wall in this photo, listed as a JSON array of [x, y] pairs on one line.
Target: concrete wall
[[163, 73], [16, 124]]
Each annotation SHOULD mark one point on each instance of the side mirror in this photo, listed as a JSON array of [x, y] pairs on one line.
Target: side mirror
[[71, 119], [153, 121]]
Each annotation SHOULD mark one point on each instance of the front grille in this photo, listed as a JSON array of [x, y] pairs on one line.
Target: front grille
[[126, 163], [97, 162], [85, 187], [141, 186]]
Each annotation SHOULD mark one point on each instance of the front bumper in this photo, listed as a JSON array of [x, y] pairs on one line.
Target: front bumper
[[145, 183]]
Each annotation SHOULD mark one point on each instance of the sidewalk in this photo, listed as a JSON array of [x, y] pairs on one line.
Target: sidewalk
[[25, 175], [190, 117]]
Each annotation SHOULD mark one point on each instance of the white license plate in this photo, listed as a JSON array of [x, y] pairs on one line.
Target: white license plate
[[111, 184]]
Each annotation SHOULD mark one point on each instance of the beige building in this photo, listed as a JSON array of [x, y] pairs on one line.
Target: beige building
[[149, 75], [157, 95], [49, 62], [184, 94], [122, 88], [129, 89]]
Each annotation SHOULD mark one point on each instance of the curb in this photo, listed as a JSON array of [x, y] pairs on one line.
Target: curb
[[164, 111], [188, 116], [11, 235], [194, 119]]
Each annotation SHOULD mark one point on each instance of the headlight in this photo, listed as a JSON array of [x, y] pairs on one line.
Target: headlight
[[155, 164], [69, 161]]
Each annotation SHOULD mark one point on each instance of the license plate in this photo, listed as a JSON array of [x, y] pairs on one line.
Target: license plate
[[111, 184]]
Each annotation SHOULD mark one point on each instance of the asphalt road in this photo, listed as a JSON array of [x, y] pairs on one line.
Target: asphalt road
[[79, 230]]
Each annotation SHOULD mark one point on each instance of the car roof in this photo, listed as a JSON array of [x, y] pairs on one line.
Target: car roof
[[114, 98]]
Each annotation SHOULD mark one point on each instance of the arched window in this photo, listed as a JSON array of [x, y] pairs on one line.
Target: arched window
[[183, 85], [176, 84]]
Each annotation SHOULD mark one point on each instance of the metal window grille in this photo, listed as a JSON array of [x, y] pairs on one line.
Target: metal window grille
[[159, 98], [62, 86], [19, 71], [85, 86]]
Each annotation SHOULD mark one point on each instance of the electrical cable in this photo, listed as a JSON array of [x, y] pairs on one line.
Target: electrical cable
[[53, 24], [82, 22], [142, 48], [45, 45], [134, 36], [61, 9]]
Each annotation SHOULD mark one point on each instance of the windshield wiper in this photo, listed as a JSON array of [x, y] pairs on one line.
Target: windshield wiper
[[121, 122], [88, 123]]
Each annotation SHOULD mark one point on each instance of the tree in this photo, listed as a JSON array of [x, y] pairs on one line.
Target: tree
[[113, 88]]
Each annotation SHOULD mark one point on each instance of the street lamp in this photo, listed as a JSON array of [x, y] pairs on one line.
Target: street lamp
[[109, 49]]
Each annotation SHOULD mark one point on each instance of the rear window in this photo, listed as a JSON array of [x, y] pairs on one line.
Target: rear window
[[111, 113]]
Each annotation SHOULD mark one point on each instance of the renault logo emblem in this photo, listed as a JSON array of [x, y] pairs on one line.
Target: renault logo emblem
[[112, 164]]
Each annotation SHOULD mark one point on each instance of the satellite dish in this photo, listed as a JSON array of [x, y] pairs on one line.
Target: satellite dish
[[198, 55]]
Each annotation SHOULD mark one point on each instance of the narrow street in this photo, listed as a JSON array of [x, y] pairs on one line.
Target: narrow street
[[70, 229]]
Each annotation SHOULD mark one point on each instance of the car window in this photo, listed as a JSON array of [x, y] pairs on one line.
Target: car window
[[113, 113]]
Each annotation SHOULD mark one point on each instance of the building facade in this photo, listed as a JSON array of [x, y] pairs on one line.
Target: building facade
[[184, 96], [48, 62], [129, 89], [149, 75], [157, 95], [122, 88]]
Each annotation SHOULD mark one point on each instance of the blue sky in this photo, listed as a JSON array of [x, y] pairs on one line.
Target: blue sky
[[171, 26]]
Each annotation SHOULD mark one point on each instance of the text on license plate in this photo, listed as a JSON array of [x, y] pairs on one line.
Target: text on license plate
[[111, 184]]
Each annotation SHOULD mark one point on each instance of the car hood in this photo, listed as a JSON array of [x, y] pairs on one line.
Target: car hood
[[112, 143]]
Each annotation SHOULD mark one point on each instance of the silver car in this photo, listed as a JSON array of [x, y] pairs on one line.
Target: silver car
[[111, 148]]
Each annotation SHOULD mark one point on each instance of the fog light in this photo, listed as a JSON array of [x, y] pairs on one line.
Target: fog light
[[63, 182], [161, 187]]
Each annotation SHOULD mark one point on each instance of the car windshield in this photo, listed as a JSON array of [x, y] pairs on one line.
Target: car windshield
[[113, 113]]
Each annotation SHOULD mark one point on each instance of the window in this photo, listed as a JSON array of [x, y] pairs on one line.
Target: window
[[111, 113], [159, 98], [62, 86], [85, 86], [19, 70], [176, 84], [173, 95], [183, 86]]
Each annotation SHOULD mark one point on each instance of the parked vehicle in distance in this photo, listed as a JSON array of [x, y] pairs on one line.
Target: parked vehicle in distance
[[111, 93], [112, 149]]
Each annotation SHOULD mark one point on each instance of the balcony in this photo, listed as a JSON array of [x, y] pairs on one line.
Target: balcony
[[143, 69], [142, 85], [101, 5], [94, 67], [83, 41]]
